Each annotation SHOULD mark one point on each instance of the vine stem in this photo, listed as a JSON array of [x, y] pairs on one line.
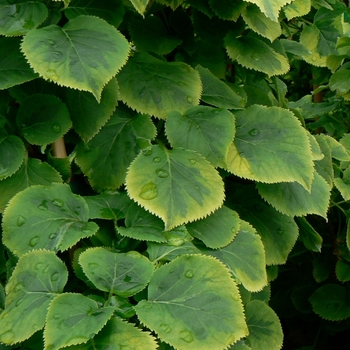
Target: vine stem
[[59, 148]]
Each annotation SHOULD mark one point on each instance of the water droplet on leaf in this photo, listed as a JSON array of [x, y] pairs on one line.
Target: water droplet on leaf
[[18, 287], [189, 99], [162, 173], [57, 316], [127, 278], [280, 231], [165, 327], [149, 191], [253, 132], [156, 159], [51, 42], [93, 266], [43, 205], [235, 296], [21, 220], [192, 161], [189, 274], [52, 235], [147, 151], [57, 53], [34, 241], [38, 266], [7, 337], [56, 127], [54, 277], [186, 336], [57, 202], [51, 74]]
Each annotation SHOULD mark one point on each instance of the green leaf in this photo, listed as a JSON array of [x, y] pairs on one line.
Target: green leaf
[[339, 82], [156, 87], [292, 199], [35, 282], [297, 8], [207, 130], [85, 54], [294, 47], [142, 225], [261, 24], [343, 187], [43, 119], [20, 17], [12, 153], [150, 34], [87, 114], [331, 302], [255, 54], [245, 257], [337, 149], [172, 3], [111, 11], [14, 69], [309, 236], [177, 185], [217, 230], [118, 334], [265, 331], [73, 319], [32, 172], [54, 218], [108, 205], [193, 304], [227, 9], [112, 150], [342, 270], [123, 274], [140, 5], [240, 346], [271, 8], [324, 166], [217, 93], [278, 232], [270, 146]]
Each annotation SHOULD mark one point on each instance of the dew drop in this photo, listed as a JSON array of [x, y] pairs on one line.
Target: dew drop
[[162, 173], [62, 325], [156, 159], [7, 337], [186, 336], [77, 210], [127, 278], [255, 58], [192, 161], [189, 274], [21, 220], [57, 202], [172, 270], [54, 277], [165, 327], [43, 205], [57, 53], [38, 266], [314, 58], [147, 151], [235, 296], [51, 42], [149, 191], [253, 132], [51, 74], [18, 287], [34, 241], [93, 266], [52, 235], [233, 229], [189, 99], [280, 231], [57, 316], [56, 127]]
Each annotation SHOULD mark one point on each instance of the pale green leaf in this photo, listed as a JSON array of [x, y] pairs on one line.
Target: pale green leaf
[[324, 166], [124, 274], [140, 5], [12, 153], [20, 17], [73, 319], [294, 47], [217, 230], [53, 218], [217, 93], [193, 303], [245, 257], [204, 129], [43, 119], [35, 281], [14, 69], [156, 87], [255, 54], [294, 200], [118, 334], [88, 116], [342, 270], [337, 149], [271, 8], [177, 185], [315, 148], [297, 8], [270, 146], [343, 187], [331, 302], [261, 24], [142, 225], [265, 331], [105, 158], [227, 9], [110, 10], [84, 54], [278, 232], [108, 205], [32, 172]]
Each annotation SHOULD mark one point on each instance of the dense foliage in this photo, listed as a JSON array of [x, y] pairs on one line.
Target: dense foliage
[[174, 174]]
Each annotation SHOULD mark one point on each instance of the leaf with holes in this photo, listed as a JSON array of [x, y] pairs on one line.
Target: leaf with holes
[[124, 274], [36, 280], [54, 218], [245, 257], [73, 319], [12, 153], [84, 54], [43, 119], [112, 150], [185, 296], [156, 87], [207, 130], [177, 185], [270, 146]]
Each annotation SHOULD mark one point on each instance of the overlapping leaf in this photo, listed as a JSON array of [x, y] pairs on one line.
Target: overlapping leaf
[[177, 185], [37, 279], [297, 8], [271, 8], [12, 153], [193, 304], [156, 87], [207, 130], [140, 5], [112, 150], [226, 9], [270, 146], [84, 54], [53, 218]]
